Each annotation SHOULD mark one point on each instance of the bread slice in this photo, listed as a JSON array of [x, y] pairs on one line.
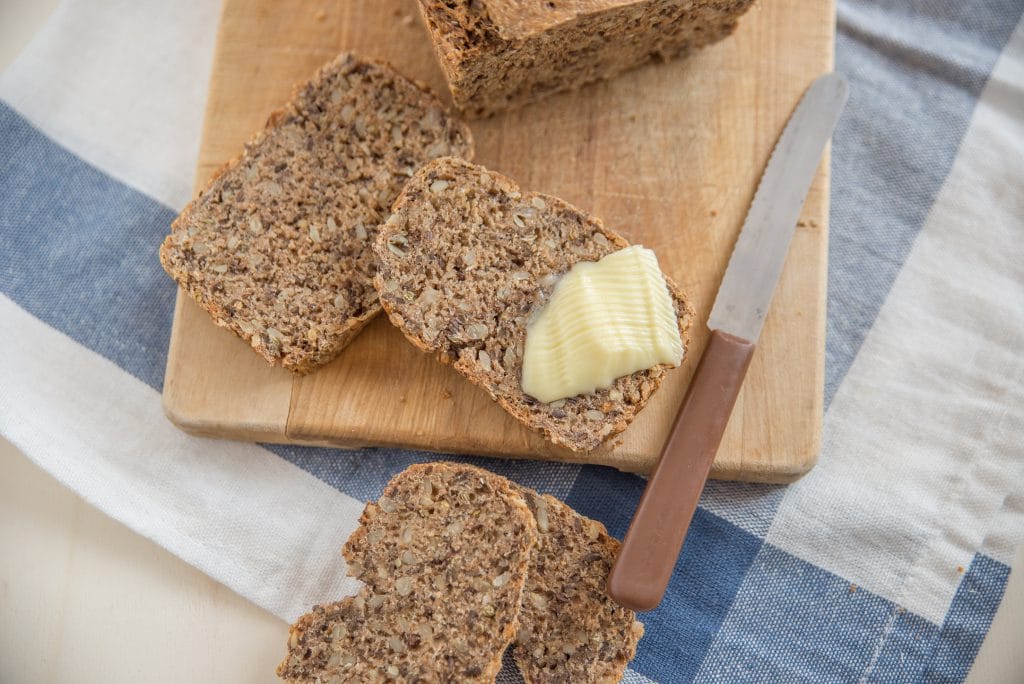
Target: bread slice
[[501, 54], [465, 260], [277, 247], [570, 629], [444, 554]]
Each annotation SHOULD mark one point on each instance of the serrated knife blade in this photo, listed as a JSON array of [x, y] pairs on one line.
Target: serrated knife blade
[[649, 551], [760, 252]]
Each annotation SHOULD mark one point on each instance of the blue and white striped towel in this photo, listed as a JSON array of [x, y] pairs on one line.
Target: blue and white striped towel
[[885, 563]]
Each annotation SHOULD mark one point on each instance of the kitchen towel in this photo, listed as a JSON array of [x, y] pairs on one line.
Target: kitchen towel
[[885, 563]]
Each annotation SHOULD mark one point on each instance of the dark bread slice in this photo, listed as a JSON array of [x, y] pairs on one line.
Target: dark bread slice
[[444, 554], [570, 630], [278, 246], [464, 261]]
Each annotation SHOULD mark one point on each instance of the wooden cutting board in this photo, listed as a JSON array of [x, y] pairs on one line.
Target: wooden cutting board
[[669, 155]]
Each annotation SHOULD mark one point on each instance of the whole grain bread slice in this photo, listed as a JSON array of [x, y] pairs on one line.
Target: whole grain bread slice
[[277, 247], [444, 554], [465, 260], [570, 630]]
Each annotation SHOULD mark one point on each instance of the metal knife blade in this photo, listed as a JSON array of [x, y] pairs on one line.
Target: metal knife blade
[[760, 251]]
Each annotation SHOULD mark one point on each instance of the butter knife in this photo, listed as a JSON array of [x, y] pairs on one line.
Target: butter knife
[[649, 552]]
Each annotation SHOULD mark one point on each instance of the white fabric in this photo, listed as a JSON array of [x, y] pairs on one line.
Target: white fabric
[[921, 446], [131, 105], [1007, 533], [631, 677], [748, 506], [259, 524]]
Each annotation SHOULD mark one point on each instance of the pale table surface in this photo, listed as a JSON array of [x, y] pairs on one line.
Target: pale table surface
[[84, 599]]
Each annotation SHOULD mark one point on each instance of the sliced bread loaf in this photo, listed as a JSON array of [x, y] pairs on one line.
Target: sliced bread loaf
[[277, 247], [570, 630], [465, 260], [498, 54], [444, 554]]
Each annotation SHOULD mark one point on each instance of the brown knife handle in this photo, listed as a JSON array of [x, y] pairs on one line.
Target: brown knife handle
[[655, 537]]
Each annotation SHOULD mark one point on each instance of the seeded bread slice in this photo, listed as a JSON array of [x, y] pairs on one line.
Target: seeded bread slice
[[570, 629], [465, 260], [277, 248], [444, 554]]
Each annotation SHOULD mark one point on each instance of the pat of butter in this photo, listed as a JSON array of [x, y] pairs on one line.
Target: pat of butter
[[604, 320]]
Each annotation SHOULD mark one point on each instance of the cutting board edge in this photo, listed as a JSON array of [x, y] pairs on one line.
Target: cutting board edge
[[800, 463], [180, 407]]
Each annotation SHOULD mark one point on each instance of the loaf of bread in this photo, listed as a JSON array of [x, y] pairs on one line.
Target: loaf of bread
[[277, 247], [444, 554], [465, 260], [570, 629], [498, 54]]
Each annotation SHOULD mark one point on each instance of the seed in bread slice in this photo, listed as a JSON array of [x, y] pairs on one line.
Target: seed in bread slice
[[570, 629], [444, 554], [464, 262], [278, 246]]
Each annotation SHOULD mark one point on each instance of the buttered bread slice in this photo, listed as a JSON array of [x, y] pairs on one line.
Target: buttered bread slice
[[468, 259]]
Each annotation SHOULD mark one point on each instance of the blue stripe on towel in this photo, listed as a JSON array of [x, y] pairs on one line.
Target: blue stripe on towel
[[363, 473], [709, 572], [914, 82], [78, 250], [967, 620], [795, 622]]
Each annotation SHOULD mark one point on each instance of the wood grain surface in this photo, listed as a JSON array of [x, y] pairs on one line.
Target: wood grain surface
[[669, 155]]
